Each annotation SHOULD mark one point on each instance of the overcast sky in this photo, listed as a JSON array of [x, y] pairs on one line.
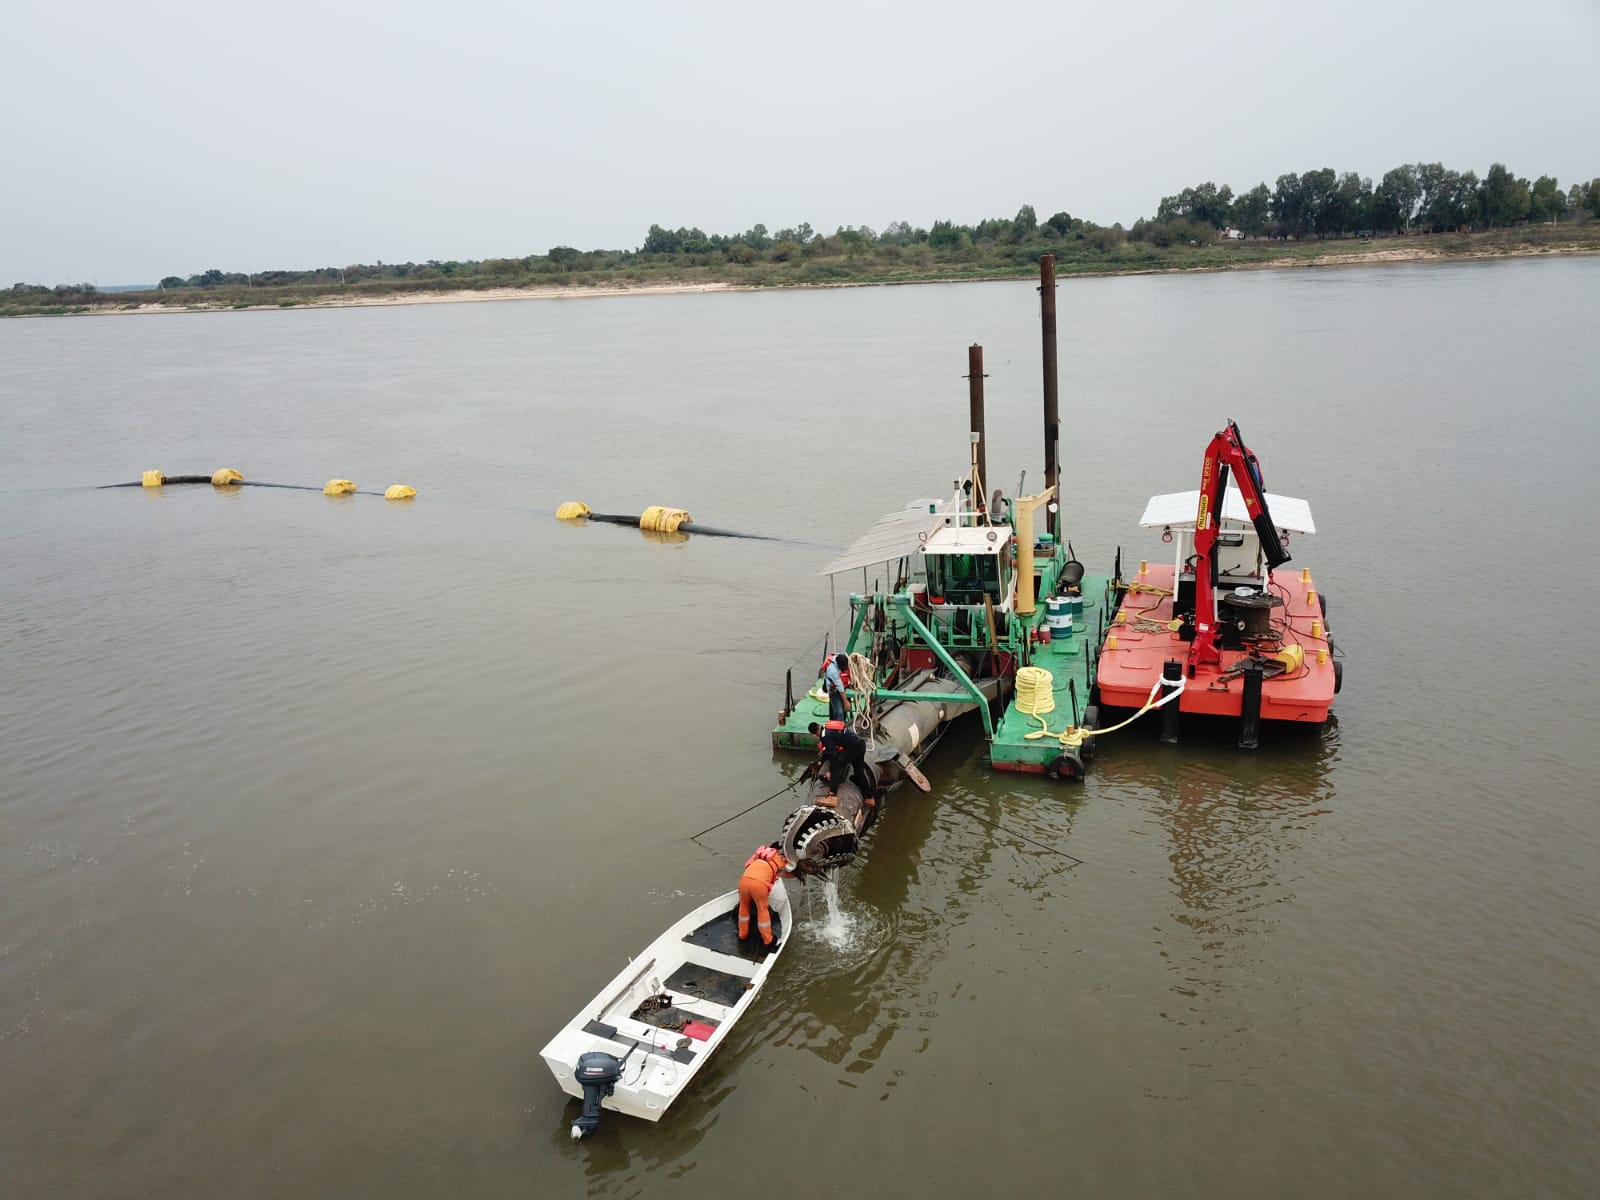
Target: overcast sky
[[158, 137]]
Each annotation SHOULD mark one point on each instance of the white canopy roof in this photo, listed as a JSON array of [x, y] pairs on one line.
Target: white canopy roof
[[969, 539], [1176, 510], [895, 536]]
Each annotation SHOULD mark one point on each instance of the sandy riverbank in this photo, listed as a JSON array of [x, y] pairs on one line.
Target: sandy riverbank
[[1346, 258], [455, 296], [1434, 254], [1357, 258]]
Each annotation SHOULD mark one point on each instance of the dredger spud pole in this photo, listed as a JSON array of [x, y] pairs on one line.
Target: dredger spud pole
[[1052, 409]]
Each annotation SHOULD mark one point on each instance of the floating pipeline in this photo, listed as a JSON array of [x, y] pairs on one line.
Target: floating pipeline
[[658, 522], [228, 478], [657, 519]]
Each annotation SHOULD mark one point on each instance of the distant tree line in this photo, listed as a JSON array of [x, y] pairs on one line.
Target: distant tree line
[[1412, 198]]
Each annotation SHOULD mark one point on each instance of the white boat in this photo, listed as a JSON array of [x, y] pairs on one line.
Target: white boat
[[636, 1046]]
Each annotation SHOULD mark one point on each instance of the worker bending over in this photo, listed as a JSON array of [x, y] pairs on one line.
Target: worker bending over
[[761, 871], [842, 754]]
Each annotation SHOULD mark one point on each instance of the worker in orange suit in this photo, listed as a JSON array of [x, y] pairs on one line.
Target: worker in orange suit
[[761, 871]]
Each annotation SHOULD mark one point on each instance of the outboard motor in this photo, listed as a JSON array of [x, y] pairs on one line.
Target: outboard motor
[[598, 1072]]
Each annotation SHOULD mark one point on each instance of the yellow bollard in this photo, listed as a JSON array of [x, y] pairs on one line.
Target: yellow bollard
[[1111, 643], [1316, 629], [1322, 657], [1311, 596], [1144, 567], [1305, 574]]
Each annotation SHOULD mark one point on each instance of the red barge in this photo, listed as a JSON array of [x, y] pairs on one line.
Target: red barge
[[1224, 625]]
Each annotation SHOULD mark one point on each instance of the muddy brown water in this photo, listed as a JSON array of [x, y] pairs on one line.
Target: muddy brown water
[[318, 816]]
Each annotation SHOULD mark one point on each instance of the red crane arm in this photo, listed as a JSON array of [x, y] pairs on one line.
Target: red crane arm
[[1226, 454]]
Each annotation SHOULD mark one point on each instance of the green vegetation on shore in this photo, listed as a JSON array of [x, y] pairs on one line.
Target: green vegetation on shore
[[1420, 210]]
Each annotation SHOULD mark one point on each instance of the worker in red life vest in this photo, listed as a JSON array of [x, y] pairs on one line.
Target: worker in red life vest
[[841, 753], [761, 871], [834, 681]]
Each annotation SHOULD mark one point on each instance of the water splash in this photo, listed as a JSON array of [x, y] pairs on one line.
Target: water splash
[[837, 930]]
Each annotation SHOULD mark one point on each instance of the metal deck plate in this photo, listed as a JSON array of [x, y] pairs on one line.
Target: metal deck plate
[[708, 983], [722, 935]]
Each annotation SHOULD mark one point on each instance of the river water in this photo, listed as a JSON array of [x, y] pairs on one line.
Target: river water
[[319, 816]]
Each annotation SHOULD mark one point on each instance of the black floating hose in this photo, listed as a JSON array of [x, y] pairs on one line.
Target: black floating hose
[[156, 481], [170, 479], [632, 522], [173, 480]]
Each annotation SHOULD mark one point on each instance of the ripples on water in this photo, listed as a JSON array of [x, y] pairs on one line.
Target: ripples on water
[[319, 815]]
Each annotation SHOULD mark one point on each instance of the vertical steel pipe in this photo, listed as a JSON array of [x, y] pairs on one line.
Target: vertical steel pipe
[[1171, 673], [1052, 409], [975, 403], [1251, 673]]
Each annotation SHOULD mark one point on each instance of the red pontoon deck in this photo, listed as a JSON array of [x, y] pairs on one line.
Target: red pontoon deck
[[1244, 634], [1139, 644]]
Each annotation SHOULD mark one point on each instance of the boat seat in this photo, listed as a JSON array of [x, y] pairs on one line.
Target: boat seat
[[609, 1032]]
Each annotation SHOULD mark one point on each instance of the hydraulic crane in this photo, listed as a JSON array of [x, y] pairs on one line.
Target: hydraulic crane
[[1226, 454]]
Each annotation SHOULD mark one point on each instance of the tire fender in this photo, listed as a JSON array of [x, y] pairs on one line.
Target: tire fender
[[1067, 767]]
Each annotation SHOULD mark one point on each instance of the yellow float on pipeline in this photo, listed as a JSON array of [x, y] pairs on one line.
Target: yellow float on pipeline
[[660, 519]]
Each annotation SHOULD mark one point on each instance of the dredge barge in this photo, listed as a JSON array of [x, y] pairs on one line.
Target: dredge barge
[[988, 613]]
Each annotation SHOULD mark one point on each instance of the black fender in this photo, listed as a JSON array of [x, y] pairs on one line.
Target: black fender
[[1067, 767], [1091, 720]]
